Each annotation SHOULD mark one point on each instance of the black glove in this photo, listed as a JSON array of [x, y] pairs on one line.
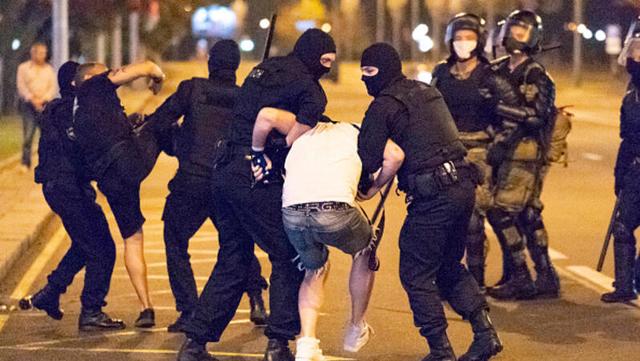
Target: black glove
[[497, 154], [366, 182]]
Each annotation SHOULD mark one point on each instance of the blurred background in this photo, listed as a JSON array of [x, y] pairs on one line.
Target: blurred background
[[123, 31]]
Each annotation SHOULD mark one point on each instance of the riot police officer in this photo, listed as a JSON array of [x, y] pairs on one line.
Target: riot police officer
[[246, 211], [440, 188], [627, 171], [459, 79], [524, 96], [206, 105], [66, 188]]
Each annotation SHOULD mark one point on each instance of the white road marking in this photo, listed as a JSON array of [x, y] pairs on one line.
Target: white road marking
[[556, 255], [592, 156], [603, 282], [149, 351]]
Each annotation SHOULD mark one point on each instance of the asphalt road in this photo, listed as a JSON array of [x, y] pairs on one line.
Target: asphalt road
[[576, 327]]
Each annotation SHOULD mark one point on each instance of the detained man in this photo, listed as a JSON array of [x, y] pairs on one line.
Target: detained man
[[319, 210], [119, 159]]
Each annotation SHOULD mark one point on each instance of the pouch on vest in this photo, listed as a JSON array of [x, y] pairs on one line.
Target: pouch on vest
[[559, 147], [222, 153], [526, 150]]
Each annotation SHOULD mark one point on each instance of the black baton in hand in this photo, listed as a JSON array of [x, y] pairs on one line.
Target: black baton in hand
[[607, 238], [378, 230]]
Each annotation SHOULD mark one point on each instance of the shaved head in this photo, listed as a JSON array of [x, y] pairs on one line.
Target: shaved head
[[87, 71]]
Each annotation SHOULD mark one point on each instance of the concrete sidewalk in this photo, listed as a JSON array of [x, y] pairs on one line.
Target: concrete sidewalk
[[24, 215]]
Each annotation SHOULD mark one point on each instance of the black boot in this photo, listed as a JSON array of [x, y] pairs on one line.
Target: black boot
[[507, 269], [258, 313], [96, 320], [47, 300], [439, 348], [547, 280], [520, 286], [278, 350], [192, 350], [486, 343], [181, 322], [478, 274], [625, 258]]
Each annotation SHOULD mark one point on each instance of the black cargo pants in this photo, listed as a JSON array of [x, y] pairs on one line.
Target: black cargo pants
[[243, 215], [432, 244], [187, 208], [91, 243]]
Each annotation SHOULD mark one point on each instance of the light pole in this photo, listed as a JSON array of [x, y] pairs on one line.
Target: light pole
[[380, 20], [116, 42], [578, 7], [415, 19], [60, 32]]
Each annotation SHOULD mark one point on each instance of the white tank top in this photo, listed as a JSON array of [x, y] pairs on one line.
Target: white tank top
[[323, 165]]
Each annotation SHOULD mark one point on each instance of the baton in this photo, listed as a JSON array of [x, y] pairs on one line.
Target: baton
[[374, 261], [270, 34], [607, 238]]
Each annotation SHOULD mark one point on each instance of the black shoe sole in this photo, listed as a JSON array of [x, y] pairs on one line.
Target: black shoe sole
[[26, 304], [92, 328], [145, 324], [495, 349]]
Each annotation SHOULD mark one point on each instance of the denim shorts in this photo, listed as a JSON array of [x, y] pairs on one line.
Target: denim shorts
[[310, 232]]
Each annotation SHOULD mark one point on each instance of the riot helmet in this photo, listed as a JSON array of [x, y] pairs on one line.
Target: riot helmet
[[631, 43], [464, 49], [522, 32]]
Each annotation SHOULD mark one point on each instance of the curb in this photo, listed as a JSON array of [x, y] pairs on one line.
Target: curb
[[43, 231]]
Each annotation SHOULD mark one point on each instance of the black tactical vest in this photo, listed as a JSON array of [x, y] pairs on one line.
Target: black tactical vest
[[429, 137], [207, 121]]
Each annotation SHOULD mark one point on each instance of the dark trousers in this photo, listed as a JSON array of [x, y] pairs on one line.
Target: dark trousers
[[432, 244], [29, 125], [91, 243], [244, 215], [188, 206]]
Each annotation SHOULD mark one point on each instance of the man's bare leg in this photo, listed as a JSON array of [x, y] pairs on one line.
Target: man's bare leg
[[137, 267], [360, 286], [311, 298]]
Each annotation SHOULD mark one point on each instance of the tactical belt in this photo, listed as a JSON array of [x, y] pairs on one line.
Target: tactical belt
[[430, 182], [320, 206]]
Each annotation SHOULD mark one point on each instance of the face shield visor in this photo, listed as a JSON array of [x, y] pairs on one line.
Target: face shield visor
[[496, 38], [631, 46]]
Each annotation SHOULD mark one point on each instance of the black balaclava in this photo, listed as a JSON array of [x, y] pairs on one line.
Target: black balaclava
[[384, 57], [633, 67], [66, 73], [224, 60], [310, 47]]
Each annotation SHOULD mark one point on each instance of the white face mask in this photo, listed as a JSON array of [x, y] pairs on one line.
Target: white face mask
[[464, 48]]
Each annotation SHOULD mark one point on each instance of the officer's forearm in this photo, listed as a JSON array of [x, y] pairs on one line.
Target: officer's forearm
[[392, 161], [296, 131], [132, 72], [523, 115], [267, 120]]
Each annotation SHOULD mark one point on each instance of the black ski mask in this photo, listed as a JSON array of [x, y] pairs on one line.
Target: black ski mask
[[310, 47], [224, 60], [384, 57], [66, 73], [633, 67]]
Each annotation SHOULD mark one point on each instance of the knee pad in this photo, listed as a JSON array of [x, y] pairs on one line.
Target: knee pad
[[622, 234], [500, 219], [531, 217]]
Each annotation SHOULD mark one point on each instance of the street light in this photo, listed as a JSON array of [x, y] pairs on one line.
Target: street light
[[264, 23]]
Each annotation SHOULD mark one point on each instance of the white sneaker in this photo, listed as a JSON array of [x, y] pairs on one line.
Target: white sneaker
[[357, 336], [308, 349]]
